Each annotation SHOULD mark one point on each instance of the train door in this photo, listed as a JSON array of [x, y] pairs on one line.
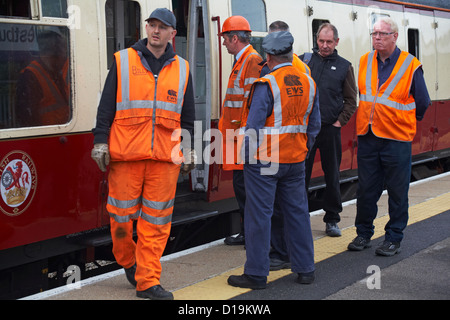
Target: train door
[[441, 27], [421, 42]]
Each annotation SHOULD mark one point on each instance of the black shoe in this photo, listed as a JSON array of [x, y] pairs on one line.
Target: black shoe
[[388, 249], [130, 273], [332, 229], [277, 264], [235, 241], [306, 278], [359, 244], [155, 293], [245, 281]]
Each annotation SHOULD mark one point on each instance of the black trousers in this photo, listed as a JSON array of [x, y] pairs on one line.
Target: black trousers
[[328, 142], [239, 192]]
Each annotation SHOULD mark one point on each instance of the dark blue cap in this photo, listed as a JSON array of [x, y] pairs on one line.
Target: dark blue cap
[[165, 16], [276, 43]]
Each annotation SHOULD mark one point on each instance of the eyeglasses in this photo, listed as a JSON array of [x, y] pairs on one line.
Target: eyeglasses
[[381, 34]]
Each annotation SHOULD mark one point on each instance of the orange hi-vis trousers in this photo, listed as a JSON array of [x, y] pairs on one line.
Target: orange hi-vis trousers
[[143, 191]]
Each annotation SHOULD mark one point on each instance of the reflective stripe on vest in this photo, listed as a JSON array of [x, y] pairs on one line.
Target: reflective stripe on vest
[[388, 109], [147, 124], [383, 99], [290, 148], [125, 82], [236, 90]]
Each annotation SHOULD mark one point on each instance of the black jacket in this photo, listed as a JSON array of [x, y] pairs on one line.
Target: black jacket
[[336, 85]]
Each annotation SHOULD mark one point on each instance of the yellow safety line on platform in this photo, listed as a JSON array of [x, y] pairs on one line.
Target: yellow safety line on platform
[[216, 288]]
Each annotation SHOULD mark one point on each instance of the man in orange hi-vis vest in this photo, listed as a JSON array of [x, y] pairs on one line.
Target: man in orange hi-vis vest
[[236, 34], [282, 123], [148, 97], [392, 95]]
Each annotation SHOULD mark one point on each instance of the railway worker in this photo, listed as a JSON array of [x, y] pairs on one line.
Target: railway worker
[[279, 257], [283, 104], [236, 35], [335, 80], [393, 95], [145, 162]]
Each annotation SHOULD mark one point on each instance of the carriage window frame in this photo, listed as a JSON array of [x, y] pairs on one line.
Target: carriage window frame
[[15, 9], [413, 42], [24, 103], [117, 26], [256, 13]]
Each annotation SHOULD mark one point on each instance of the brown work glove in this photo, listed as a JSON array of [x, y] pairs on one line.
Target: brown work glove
[[100, 154], [189, 163]]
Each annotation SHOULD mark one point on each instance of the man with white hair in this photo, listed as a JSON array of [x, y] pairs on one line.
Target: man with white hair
[[392, 96]]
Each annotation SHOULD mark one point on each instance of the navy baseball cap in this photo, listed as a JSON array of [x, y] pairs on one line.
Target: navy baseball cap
[[165, 16], [276, 43]]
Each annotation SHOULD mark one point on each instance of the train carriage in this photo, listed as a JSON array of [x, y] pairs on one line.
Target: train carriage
[[54, 59]]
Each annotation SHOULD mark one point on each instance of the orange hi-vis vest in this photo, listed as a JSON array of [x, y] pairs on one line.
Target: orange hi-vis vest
[[390, 110], [244, 73], [148, 112], [300, 65], [54, 106], [285, 138]]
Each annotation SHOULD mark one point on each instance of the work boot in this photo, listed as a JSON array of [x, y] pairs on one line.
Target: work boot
[[130, 273], [155, 293], [359, 244], [278, 264], [306, 278], [246, 281], [388, 249], [235, 241], [332, 229]]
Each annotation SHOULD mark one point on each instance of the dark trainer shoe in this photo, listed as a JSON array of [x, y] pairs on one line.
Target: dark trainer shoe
[[155, 293], [130, 272], [388, 249], [359, 244], [235, 241], [245, 281]]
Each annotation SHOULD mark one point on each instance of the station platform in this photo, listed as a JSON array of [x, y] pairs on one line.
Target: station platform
[[420, 272]]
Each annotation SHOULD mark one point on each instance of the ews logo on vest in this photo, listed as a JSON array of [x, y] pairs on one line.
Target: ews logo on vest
[[293, 85], [172, 96]]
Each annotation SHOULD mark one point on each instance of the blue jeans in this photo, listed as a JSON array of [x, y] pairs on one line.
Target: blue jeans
[[288, 183], [382, 162]]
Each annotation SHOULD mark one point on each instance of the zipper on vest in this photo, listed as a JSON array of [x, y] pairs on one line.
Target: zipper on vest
[[372, 111], [154, 111]]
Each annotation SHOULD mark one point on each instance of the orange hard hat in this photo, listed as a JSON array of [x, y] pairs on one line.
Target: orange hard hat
[[235, 23]]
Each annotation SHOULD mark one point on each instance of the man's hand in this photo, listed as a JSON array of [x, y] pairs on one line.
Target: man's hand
[[100, 154], [189, 163]]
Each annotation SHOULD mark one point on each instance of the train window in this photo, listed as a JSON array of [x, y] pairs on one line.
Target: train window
[[123, 25], [316, 23], [254, 11], [413, 42], [54, 8], [15, 8], [34, 75]]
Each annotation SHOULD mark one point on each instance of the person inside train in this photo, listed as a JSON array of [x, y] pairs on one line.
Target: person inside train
[[145, 159], [392, 97], [335, 80], [43, 88], [281, 120], [236, 35]]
